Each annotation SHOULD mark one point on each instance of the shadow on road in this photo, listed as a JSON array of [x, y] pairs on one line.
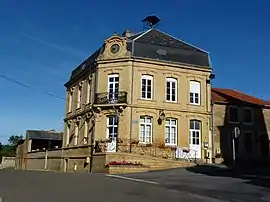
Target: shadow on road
[[255, 176]]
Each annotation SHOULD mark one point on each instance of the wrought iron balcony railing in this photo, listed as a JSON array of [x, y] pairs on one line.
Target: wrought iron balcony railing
[[111, 98]]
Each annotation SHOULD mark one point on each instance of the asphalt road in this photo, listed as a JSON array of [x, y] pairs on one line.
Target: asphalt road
[[173, 185]]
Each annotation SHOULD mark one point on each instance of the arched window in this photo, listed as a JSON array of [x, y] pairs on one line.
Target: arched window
[[113, 88], [171, 131], [147, 87], [171, 90], [146, 129], [194, 92], [112, 127], [195, 132]]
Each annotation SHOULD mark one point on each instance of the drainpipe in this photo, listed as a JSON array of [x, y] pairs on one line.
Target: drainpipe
[[212, 132], [131, 103]]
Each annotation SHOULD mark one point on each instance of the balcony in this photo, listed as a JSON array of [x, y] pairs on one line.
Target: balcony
[[118, 98]]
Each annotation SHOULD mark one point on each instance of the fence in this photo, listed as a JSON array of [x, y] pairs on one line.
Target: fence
[[133, 146]]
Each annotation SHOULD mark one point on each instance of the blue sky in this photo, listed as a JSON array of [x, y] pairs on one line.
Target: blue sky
[[42, 41]]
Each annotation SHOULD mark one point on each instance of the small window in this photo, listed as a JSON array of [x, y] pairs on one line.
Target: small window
[[70, 96], [67, 134], [233, 114], [194, 94], [79, 100], [85, 136], [171, 131], [171, 90], [147, 87], [247, 116], [76, 134], [145, 129], [89, 92]]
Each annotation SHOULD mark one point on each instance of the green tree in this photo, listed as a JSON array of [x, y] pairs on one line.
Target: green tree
[[14, 139]]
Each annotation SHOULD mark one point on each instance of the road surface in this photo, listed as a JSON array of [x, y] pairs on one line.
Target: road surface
[[173, 185]]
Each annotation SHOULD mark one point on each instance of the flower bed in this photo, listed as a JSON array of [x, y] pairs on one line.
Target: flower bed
[[122, 163]]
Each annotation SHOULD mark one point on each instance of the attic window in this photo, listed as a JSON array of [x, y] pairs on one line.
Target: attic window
[[161, 52]]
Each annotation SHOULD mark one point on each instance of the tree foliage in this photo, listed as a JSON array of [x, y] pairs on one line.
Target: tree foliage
[[14, 139], [10, 148]]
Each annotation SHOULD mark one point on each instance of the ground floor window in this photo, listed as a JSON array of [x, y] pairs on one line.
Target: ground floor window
[[145, 129], [112, 127], [171, 131]]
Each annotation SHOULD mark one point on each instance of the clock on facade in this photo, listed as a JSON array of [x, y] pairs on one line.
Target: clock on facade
[[115, 48]]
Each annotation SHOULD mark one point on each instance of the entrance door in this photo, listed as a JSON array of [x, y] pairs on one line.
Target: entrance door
[[113, 88], [195, 139], [112, 133]]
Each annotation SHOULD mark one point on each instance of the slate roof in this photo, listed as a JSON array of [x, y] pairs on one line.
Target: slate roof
[[44, 134], [154, 44], [157, 45], [224, 95]]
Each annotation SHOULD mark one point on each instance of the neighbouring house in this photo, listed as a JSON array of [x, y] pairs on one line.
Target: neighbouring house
[[148, 88], [251, 115], [37, 140]]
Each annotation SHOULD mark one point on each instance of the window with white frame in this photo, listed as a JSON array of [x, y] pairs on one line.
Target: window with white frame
[[112, 127], [147, 87], [247, 115], [194, 132], [76, 133], [171, 131], [195, 91], [233, 114], [79, 97], [70, 96], [113, 88], [67, 134], [145, 129], [171, 90], [85, 134]]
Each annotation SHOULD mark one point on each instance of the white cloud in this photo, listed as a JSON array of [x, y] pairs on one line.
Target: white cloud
[[62, 48]]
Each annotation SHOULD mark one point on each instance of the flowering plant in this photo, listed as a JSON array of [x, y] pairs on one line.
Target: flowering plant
[[123, 163]]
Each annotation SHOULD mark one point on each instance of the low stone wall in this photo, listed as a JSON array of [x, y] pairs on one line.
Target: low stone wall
[[115, 169], [8, 162], [39, 161]]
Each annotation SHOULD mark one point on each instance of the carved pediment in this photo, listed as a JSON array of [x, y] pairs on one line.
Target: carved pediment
[[115, 47]]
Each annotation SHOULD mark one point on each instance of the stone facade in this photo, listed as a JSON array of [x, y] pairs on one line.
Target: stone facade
[[223, 132]]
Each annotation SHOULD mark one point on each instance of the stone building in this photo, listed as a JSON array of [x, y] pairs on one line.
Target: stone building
[[36, 141], [148, 87], [251, 115]]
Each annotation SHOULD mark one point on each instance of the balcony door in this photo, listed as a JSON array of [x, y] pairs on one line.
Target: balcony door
[[112, 133], [113, 88]]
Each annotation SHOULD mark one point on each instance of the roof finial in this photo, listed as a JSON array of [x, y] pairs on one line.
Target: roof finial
[[151, 21]]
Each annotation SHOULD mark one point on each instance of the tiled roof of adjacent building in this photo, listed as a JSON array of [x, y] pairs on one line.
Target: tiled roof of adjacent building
[[223, 95], [154, 44], [44, 134]]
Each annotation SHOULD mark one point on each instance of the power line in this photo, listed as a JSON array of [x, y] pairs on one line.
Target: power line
[[30, 87]]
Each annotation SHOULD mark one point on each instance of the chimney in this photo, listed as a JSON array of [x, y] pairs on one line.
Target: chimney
[[127, 33]]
